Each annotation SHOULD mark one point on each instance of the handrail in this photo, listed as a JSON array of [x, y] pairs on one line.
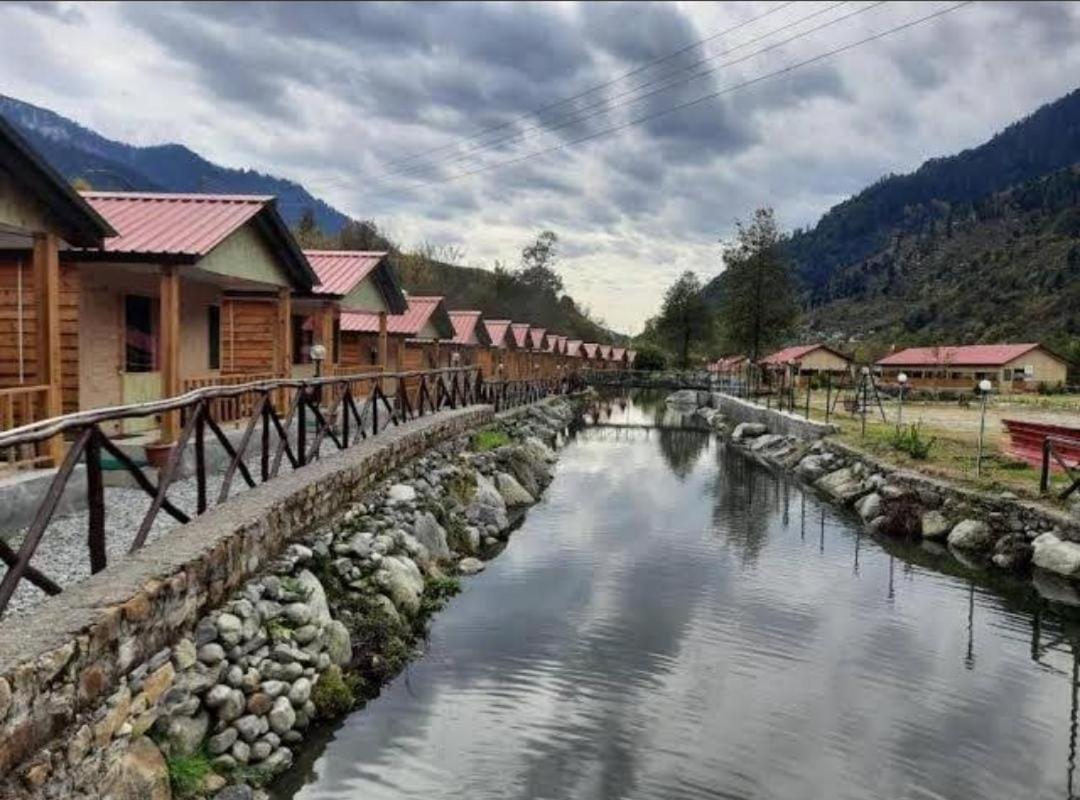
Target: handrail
[[23, 388], [301, 425], [44, 429]]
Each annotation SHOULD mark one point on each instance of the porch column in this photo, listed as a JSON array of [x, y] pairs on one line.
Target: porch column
[[46, 272], [437, 363], [170, 349], [382, 340], [283, 351]]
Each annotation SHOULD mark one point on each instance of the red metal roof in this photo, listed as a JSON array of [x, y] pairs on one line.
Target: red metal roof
[[573, 347], [172, 224], [536, 337], [976, 355], [521, 333], [498, 329], [617, 353], [590, 349], [408, 324], [466, 330], [796, 353], [341, 271]]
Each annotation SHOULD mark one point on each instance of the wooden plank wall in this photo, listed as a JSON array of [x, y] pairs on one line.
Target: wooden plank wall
[[248, 335], [9, 326]]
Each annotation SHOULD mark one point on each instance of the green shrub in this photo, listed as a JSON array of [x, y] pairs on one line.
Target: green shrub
[[187, 773], [650, 358], [909, 440], [335, 693], [489, 439]]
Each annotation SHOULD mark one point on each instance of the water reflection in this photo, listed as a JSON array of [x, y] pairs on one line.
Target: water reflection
[[676, 621]]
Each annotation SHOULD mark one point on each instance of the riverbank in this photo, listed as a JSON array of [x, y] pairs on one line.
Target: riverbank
[[220, 711], [995, 529]]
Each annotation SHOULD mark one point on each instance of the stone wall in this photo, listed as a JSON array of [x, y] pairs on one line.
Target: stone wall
[[216, 641], [737, 411]]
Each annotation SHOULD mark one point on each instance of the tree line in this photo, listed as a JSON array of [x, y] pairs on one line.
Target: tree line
[[756, 309]]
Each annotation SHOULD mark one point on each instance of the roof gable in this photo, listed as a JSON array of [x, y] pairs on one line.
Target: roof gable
[[798, 352], [469, 328], [976, 355], [344, 273], [55, 203], [520, 330], [185, 228], [499, 332]]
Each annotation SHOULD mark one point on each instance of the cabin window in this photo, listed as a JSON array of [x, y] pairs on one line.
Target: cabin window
[[213, 336], [303, 337], [140, 333]]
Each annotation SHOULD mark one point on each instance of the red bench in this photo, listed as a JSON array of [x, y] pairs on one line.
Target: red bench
[[1026, 441]]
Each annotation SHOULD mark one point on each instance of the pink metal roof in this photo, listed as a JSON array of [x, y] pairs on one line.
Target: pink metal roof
[[362, 321], [573, 347], [408, 324], [521, 333], [536, 337], [172, 224], [341, 271], [465, 330], [498, 329], [605, 352], [630, 356], [789, 354], [590, 349], [617, 353], [976, 355]]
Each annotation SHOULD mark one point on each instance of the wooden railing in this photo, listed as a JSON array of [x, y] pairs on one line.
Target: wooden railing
[[20, 406], [317, 413], [230, 409]]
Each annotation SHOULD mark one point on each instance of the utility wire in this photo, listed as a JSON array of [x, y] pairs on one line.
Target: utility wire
[[697, 101], [598, 87], [608, 104]]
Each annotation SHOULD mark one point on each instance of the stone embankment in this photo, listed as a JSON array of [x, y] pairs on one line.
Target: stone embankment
[[220, 709], [993, 529]]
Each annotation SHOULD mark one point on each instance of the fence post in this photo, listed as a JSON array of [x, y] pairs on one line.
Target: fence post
[[1044, 475]]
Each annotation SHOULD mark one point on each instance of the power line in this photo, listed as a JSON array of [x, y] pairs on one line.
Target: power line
[[607, 104], [697, 101], [598, 87]]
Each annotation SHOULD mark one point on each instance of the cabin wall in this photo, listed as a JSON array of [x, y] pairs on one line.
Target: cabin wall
[[249, 337], [18, 312]]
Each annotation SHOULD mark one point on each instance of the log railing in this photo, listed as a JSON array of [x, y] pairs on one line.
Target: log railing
[[289, 419], [230, 409], [20, 406]]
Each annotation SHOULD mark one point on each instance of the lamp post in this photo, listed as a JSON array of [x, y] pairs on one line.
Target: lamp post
[[984, 389], [318, 355], [902, 380], [862, 403]]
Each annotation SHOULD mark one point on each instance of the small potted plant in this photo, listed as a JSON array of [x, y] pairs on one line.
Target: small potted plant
[[158, 453]]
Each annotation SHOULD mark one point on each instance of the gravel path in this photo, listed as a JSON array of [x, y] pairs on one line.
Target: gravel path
[[63, 555]]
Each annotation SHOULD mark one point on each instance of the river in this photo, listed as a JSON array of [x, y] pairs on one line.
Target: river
[[673, 620]]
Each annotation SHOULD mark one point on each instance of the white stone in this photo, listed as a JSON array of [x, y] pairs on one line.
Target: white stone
[[402, 581], [429, 533], [513, 493], [282, 716], [1055, 555], [869, 507], [401, 493], [748, 430], [470, 566], [935, 525], [971, 534]]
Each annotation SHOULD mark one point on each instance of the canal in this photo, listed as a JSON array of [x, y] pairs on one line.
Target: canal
[[675, 621]]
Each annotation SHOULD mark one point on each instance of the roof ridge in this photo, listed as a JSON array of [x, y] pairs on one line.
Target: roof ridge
[[180, 196]]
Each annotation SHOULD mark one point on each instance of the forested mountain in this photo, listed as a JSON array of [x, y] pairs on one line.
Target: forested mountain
[[971, 247], [81, 154]]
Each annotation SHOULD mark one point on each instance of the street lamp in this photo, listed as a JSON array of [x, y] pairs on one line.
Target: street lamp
[[902, 380], [984, 389], [318, 354]]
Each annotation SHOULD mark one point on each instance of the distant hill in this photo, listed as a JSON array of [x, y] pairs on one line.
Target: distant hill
[[107, 165], [972, 247], [79, 153]]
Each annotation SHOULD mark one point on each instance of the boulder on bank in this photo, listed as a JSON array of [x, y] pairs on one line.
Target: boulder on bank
[[428, 532], [971, 534], [935, 525], [843, 485], [748, 430], [400, 578], [513, 493], [684, 398], [869, 507], [1055, 555], [487, 506]]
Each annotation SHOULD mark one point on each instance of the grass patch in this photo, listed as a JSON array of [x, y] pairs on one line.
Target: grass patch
[[489, 439], [336, 692], [187, 773]]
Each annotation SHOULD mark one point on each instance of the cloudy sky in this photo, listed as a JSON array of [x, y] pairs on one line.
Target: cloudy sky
[[340, 96]]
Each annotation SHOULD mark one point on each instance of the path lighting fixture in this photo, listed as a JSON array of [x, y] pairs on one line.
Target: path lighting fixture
[[318, 355], [984, 390], [864, 387], [901, 379]]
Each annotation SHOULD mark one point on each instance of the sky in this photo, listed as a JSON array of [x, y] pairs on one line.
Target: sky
[[408, 114]]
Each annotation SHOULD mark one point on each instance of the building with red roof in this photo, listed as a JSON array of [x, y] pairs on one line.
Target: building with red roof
[[470, 340], [806, 361], [192, 290], [1010, 367]]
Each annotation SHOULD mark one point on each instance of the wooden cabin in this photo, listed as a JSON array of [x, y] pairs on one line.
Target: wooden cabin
[[470, 339], [539, 361], [807, 362], [40, 215], [349, 281], [1010, 367], [496, 361], [591, 356], [521, 366], [631, 359], [195, 290], [618, 357]]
